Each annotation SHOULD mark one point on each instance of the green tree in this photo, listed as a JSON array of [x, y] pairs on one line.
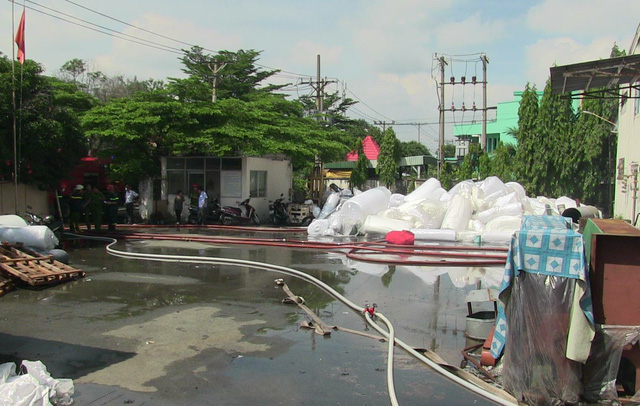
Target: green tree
[[388, 159], [136, 131], [449, 150], [503, 163], [359, 174], [528, 169], [413, 148], [49, 139]]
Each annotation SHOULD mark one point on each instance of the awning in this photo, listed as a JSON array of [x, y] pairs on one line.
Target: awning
[[587, 79]]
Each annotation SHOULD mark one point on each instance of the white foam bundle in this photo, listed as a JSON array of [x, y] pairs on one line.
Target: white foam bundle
[[377, 224], [458, 213], [318, 227], [492, 185], [424, 191], [433, 213], [564, 202], [39, 238], [396, 200], [366, 203], [516, 187], [496, 237], [330, 205], [504, 223], [12, 220], [509, 209], [422, 234]]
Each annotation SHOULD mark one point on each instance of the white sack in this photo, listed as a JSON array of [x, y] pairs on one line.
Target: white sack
[[458, 214], [12, 220], [505, 223], [396, 200], [318, 227], [424, 190], [496, 237], [462, 187], [518, 188], [491, 185], [39, 238], [511, 209], [377, 224], [433, 213], [564, 202], [356, 209], [329, 206], [421, 234]]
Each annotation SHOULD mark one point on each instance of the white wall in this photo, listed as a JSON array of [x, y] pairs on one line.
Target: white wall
[[29, 199], [628, 149], [279, 180]]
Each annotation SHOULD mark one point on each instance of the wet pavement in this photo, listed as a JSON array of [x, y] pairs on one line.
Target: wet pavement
[[139, 332]]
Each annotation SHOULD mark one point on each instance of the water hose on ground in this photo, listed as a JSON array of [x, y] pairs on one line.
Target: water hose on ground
[[448, 371]]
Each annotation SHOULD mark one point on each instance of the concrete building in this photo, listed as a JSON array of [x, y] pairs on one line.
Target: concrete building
[[498, 130], [228, 179]]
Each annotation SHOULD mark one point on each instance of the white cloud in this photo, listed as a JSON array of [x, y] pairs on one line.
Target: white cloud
[[470, 32], [588, 18], [544, 54]]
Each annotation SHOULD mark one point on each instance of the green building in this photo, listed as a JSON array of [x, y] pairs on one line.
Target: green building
[[498, 130]]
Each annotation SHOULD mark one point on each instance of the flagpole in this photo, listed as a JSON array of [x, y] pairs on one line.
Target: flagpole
[[13, 101]]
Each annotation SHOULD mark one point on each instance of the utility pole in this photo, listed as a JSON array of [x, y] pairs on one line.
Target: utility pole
[[483, 138], [441, 118], [384, 124], [217, 66], [319, 86]]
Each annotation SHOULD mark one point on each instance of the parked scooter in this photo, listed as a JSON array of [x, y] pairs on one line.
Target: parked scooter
[[213, 212], [234, 215], [55, 225], [278, 213]]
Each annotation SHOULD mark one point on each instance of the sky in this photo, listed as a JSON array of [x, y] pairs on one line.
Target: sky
[[380, 53]]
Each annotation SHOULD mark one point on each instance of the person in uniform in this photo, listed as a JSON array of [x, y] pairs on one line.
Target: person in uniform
[[111, 202], [76, 208]]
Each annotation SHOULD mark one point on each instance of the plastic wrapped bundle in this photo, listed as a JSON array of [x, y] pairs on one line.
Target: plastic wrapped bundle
[[356, 209], [424, 191], [396, 200], [12, 220], [491, 185], [39, 238], [505, 223], [511, 209], [458, 214], [377, 224], [318, 227], [421, 234], [433, 213], [496, 237], [330, 205]]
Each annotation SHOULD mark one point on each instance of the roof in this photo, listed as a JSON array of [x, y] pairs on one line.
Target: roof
[[613, 73], [370, 147]]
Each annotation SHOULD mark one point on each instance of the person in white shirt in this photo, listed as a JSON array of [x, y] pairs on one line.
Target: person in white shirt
[[203, 201], [129, 197]]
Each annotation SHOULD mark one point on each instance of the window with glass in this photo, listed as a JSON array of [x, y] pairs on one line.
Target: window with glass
[[258, 183]]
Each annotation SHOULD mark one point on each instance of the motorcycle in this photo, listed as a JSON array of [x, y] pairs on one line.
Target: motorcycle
[[233, 215], [50, 221], [213, 212], [278, 212]]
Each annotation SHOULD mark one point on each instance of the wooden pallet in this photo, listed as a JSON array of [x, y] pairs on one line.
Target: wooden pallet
[[24, 265], [6, 285]]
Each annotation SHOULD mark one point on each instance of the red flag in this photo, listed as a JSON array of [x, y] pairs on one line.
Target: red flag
[[20, 39]]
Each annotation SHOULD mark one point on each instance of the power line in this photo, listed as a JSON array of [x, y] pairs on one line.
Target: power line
[[166, 49], [102, 27]]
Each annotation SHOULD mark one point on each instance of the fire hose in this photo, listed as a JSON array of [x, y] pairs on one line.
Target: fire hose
[[448, 371]]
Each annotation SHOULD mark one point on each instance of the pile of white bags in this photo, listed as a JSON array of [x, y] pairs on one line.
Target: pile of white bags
[[489, 211], [33, 387]]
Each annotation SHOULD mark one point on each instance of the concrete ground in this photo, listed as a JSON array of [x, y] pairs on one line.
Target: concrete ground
[[137, 332]]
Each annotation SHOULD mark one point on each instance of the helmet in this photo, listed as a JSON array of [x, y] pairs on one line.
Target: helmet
[[79, 187]]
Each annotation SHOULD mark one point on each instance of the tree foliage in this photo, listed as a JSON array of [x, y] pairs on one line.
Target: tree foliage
[[388, 159], [359, 174], [48, 135]]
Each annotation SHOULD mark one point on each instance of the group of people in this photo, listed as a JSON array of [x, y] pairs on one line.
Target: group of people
[[89, 204], [203, 202]]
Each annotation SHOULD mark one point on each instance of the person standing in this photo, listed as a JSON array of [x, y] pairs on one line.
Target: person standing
[[178, 203], [86, 201], [111, 201], [129, 197], [203, 201], [95, 207], [75, 208]]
